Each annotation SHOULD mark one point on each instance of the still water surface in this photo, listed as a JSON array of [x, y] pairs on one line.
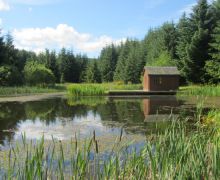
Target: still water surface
[[63, 117]]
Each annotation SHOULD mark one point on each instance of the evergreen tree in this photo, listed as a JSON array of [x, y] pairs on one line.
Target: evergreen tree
[[213, 66], [119, 74], [170, 38], [93, 74], [2, 50], [9, 50], [134, 64], [184, 38], [108, 60], [82, 61], [153, 44], [197, 50]]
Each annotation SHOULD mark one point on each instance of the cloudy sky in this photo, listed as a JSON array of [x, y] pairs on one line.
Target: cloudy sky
[[84, 25]]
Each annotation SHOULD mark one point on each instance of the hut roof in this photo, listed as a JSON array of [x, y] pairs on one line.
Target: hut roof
[[161, 70]]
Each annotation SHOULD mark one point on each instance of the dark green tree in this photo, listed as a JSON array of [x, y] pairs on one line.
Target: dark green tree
[[170, 38], [93, 74], [212, 66], [2, 50], [184, 31], [119, 74], [197, 49], [134, 64], [108, 60]]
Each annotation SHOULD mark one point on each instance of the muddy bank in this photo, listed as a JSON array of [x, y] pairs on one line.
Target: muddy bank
[[32, 97]]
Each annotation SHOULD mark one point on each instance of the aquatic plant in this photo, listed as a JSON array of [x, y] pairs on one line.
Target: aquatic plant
[[98, 89], [205, 90], [175, 154]]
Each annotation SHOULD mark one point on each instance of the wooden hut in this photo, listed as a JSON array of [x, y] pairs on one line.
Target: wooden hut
[[161, 78]]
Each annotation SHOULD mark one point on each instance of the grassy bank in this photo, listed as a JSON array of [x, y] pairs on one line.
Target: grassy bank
[[176, 154], [99, 89], [206, 90], [27, 90]]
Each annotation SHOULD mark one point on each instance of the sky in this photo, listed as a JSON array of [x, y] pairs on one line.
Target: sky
[[84, 26]]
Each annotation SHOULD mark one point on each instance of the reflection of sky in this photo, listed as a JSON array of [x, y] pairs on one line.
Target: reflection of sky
[[64, 128]]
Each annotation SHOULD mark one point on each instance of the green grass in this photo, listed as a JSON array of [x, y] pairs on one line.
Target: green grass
[[206, 90], [98, 89], [89, 101], [24, 90], [176, 154]]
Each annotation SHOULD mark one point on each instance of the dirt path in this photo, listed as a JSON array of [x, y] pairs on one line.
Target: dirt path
[[32, 97]]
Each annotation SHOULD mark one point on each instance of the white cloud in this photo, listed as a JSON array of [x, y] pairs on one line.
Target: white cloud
[[4, 6], [37, 39]]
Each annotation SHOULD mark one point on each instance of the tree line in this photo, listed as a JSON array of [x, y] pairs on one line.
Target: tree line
[[191, 44]]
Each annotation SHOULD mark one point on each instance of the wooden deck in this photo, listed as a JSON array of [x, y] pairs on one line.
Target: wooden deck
[[140, 93]]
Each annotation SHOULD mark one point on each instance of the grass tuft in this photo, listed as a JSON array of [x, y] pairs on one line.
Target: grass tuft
[[98, 89], [206, 90]]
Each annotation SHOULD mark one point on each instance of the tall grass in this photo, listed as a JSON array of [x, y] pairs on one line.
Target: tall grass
[[24, 90], [206, 90], [176, 154], [89, 101], [98, 89]]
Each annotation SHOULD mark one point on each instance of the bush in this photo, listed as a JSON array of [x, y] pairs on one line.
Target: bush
[[38, 74], [9, 75]]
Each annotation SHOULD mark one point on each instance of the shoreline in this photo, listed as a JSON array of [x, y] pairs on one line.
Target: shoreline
[[30, 97]]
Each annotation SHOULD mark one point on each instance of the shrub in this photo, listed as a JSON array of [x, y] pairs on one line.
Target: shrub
[[9, 75], [38, 74]]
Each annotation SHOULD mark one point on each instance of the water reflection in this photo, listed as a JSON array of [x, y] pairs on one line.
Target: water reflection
[[62, 118]]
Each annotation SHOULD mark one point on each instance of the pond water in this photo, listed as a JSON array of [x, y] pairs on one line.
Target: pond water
[[63, 117]]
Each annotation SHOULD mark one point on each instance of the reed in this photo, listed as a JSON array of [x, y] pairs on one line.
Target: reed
[[98, 89], [175, 154], [206, 90]]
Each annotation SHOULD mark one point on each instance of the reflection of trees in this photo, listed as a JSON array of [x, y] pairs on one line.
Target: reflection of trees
[[88, 101], [46, 110], [122, 113], [129, 113], [9, 114]]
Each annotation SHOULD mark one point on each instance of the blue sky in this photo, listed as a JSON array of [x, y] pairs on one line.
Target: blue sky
[[84, 25]]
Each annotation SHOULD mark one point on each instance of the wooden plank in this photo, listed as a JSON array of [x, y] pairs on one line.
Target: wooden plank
[[140, 93]]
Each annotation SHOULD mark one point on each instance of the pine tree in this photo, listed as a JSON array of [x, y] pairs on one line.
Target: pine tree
[[170, 38], [134, 64], [9, 50], [2, 50], [184, 38], [213, 66], [197, 50], [108, 61], [119, 74], [93, 74]]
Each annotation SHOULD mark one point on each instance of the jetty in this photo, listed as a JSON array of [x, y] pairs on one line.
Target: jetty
[[140, 93]]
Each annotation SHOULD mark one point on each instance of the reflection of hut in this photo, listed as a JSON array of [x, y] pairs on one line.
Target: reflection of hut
[[157, 109], [161, 79]]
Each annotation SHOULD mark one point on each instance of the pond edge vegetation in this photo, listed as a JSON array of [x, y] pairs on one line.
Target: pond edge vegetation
[[175, 154]]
